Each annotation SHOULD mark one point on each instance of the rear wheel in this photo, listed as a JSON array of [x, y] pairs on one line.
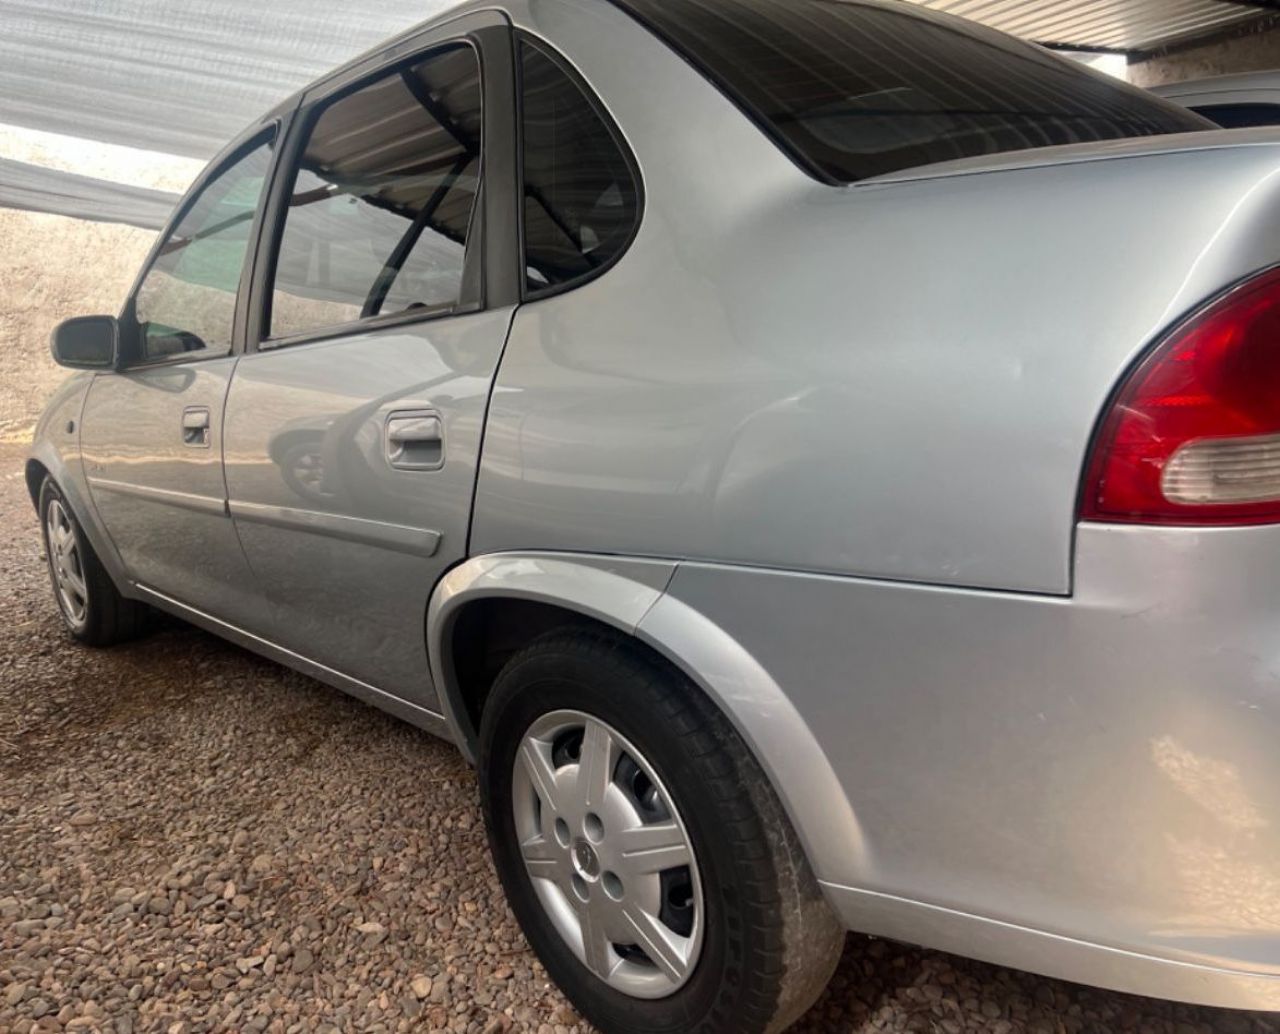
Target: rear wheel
[[91, 607], [642, 849]]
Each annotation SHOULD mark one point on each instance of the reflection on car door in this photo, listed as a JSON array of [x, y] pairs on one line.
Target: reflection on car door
[[352, 433], [151, 433]]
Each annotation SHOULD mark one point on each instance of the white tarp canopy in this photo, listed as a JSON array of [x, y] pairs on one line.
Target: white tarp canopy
[[38, 189], [176, 76], [179, 77]]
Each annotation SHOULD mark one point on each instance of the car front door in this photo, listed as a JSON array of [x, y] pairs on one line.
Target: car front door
[[385, 294], [151, 431]]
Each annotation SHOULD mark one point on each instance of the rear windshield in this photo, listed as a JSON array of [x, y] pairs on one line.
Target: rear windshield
[[1240, 116], [853, 89]]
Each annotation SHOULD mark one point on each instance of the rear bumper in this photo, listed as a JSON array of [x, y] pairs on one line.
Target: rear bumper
[[1085, 786]]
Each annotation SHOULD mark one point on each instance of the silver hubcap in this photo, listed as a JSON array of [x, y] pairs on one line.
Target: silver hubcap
[[64, 562], [608, 854]]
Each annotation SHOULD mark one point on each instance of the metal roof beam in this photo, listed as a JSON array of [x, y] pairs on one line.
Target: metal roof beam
[[1084, 48]]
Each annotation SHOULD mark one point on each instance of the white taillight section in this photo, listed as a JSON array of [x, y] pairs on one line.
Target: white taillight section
[[1225, 470]]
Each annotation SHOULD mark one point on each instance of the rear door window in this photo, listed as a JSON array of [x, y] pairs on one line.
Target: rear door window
[[380, 208], [853, 90]]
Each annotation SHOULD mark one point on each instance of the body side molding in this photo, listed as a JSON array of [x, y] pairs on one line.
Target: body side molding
[[182, 500], [398, 537]]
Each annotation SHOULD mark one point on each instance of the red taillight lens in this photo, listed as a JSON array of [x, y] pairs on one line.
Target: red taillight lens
[[1194, 435]]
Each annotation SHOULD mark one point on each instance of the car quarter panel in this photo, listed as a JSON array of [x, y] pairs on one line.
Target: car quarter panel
[[895, 379], [1101, 768]]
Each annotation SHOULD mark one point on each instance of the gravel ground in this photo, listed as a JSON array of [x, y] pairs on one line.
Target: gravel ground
[[193, 839]]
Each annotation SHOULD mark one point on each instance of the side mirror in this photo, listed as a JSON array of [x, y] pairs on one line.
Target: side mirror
[[86, 343]]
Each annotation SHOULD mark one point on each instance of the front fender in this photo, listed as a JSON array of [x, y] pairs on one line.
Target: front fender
[[630, 595], [56, 448]]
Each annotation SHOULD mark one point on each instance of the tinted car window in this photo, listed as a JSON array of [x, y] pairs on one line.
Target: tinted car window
[[581, 200], [853, 90], [187, 300], [381, 201], [1240, 116]]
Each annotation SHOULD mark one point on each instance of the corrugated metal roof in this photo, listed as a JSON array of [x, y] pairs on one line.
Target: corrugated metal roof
[[1113, 24]]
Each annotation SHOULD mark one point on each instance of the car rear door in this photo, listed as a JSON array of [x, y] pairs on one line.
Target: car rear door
[[381, 305], [151, 432]]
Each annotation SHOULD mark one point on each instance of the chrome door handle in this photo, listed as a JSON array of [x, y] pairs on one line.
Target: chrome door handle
[[415, 440], [402, 429], [195, 427]]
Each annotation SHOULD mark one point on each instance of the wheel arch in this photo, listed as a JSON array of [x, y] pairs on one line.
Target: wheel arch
[[35, 473], [534, 592], [538, 591]]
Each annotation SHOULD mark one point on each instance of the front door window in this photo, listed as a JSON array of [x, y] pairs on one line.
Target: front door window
[[186, 302]]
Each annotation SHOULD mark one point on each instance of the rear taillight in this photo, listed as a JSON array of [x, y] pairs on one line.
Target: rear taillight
[[1194, 435]]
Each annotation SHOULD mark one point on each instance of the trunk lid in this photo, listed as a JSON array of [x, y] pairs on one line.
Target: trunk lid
[[1095, 151]]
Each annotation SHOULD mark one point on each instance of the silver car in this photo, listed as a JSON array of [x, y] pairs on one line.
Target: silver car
[[820, 460], [1232, 101]]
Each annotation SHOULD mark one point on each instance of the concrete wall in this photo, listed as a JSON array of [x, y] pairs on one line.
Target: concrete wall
[[52, 267], [1255, 52]]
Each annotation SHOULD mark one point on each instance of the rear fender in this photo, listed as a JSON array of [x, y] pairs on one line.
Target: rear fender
[[629, 595]]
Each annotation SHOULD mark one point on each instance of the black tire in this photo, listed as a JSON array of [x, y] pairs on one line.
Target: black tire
[[108, 617], [770, 941]]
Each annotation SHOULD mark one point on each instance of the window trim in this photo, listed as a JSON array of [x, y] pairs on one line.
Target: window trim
[[366, 324], [271, 131], [525, 38], [315, 100]]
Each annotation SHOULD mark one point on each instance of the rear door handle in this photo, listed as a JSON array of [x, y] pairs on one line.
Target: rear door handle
[[195, 427], [415, 440]]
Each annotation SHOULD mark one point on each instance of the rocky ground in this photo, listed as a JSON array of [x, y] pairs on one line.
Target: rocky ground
[[193, 839]]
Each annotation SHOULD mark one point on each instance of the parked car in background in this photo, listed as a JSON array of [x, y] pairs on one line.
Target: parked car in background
[[1232, 101], [719, 418]]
